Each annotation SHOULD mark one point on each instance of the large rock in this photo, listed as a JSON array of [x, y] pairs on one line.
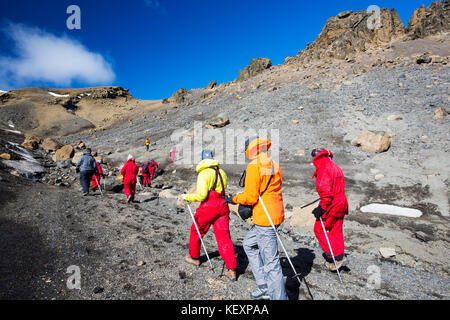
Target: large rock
[[256, 66], [64, 153], [429, 21], [219, 121], [168, 194], [439, 114], [77, 156], [31, 143], [212, 84], [179, 96], [50, 145], [349, 33], [373, 141]]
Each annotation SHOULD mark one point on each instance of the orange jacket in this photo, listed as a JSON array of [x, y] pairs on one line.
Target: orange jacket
[[256, 180]]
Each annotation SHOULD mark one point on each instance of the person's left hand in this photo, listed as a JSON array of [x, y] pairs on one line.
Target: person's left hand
[[229, 199], [318, 212]]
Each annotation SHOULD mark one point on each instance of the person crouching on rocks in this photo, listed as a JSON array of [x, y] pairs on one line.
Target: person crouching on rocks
[[213, 211], [97, 176], [332, 208], [263, 179], [87, 168], [129, 172]]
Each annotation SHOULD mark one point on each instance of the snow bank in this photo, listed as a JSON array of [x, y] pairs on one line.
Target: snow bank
[[392, 210], [58, 95]]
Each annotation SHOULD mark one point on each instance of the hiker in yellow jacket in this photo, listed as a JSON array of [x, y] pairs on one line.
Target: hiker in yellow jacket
[[213, 211]]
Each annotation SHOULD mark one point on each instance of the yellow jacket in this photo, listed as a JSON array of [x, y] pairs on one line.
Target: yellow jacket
[[256, 180], [206, 179]]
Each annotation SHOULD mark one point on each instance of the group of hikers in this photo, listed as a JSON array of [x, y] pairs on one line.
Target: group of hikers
[[261, 200]]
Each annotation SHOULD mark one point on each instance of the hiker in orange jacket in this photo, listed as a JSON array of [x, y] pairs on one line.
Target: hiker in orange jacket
[[263, 176], [129, 172]]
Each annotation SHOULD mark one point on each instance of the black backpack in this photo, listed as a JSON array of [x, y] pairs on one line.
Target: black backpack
[[145, 169]]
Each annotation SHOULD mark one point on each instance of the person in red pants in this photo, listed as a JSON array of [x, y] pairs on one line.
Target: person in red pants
[[96, 177], [146, 174], [129, 172], [333, 207], [173, 151], [152, 168], [213, 211]]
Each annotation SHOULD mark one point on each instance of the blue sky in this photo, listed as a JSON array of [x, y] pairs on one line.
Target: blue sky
[[154, 47]]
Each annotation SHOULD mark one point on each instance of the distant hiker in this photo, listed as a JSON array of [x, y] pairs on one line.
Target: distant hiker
[[97, 176], [147, 143], [153, 165], [146, 174], [333, 207], [263, 178], [81, 145], [87, 168], [213, 211], [173, 151], [129, 172]]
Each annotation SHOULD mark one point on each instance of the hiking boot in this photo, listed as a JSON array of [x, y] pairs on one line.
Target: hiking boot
[[129, 199], [260, 293], [231, 274], [340, 263], [191, 260], [85, 194]]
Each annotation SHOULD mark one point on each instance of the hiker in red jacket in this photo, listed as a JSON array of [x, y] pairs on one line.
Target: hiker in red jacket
[[129, 172], [97, 176], [333, 207], [173, 151]]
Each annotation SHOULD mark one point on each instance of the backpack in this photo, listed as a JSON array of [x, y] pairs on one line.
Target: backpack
[[145, 169]]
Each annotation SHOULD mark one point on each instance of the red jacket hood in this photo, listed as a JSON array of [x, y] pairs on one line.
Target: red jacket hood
[[321, 159]]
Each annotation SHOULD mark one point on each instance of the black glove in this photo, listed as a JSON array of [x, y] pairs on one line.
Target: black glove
[[77, 170], [229, 199], [318, 212]]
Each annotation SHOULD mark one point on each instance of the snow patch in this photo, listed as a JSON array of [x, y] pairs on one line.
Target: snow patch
[[28, 164], [12, 131], [392, 210], [58, 95]]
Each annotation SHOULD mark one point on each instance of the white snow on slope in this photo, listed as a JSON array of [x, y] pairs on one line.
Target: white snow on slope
[[58, 95], [1, 91], [392, 210]]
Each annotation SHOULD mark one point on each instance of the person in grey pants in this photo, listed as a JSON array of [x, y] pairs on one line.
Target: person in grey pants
[[261, 246], [87, 168]]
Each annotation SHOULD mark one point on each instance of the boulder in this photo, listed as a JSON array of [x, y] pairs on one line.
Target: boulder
[[31, 143], [255, 67], [394, 117], [64, 164], [179, 96], [76, 157], [50, 145], [168, 194], [439, 114], [387, 252], [5, 156], [373, 141], [64, 153], [212, 84], [429, 21], [219, 121]]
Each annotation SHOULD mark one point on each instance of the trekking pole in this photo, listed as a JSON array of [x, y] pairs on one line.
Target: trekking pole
[[99, 187], [307, 205], [279, 239], [199, 235], [331, 250]]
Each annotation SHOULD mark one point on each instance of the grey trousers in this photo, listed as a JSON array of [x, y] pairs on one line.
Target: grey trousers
[[261, 246]]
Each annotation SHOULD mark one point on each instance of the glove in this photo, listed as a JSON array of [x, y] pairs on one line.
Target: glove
[[318, 212], [77, 170], [229, 199]]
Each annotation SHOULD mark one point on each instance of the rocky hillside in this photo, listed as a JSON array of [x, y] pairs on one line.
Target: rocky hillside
[[57, 112], [379, 101]]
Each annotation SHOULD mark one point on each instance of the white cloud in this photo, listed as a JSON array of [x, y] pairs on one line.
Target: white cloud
[[41, 57]]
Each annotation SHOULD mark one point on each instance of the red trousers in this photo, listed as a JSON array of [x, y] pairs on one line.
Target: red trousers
[[214, 211], [130, 190], [146, 180], [172, 155], [334, 227], [94, 181]]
